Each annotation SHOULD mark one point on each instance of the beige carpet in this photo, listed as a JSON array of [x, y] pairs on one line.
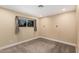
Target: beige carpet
[[40, 46]]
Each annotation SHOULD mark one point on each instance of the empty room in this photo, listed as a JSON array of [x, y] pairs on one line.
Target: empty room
[[39, 28]]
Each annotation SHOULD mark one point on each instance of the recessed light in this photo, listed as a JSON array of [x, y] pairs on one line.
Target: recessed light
[[63, 9], [40, 16]]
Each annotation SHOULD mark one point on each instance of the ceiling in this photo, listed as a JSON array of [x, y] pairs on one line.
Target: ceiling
[[34, 10]]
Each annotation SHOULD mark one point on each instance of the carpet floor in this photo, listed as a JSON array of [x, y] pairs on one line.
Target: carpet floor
[[40, 46]]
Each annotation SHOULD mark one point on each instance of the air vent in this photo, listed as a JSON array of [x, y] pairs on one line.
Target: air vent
[[41, 6]]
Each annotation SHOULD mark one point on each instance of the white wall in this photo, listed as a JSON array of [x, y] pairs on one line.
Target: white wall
[[66, 30], [7, 28], [77, 17]]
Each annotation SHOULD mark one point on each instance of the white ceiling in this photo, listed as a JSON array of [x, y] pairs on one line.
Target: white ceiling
[[34, 10]]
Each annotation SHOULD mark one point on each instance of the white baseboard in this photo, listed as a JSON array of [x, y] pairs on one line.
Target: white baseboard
[[14, 44], [68, 43], [17, 43]]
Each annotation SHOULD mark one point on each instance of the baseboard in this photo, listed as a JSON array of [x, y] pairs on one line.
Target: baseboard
[[17, 43], [68, 43]]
